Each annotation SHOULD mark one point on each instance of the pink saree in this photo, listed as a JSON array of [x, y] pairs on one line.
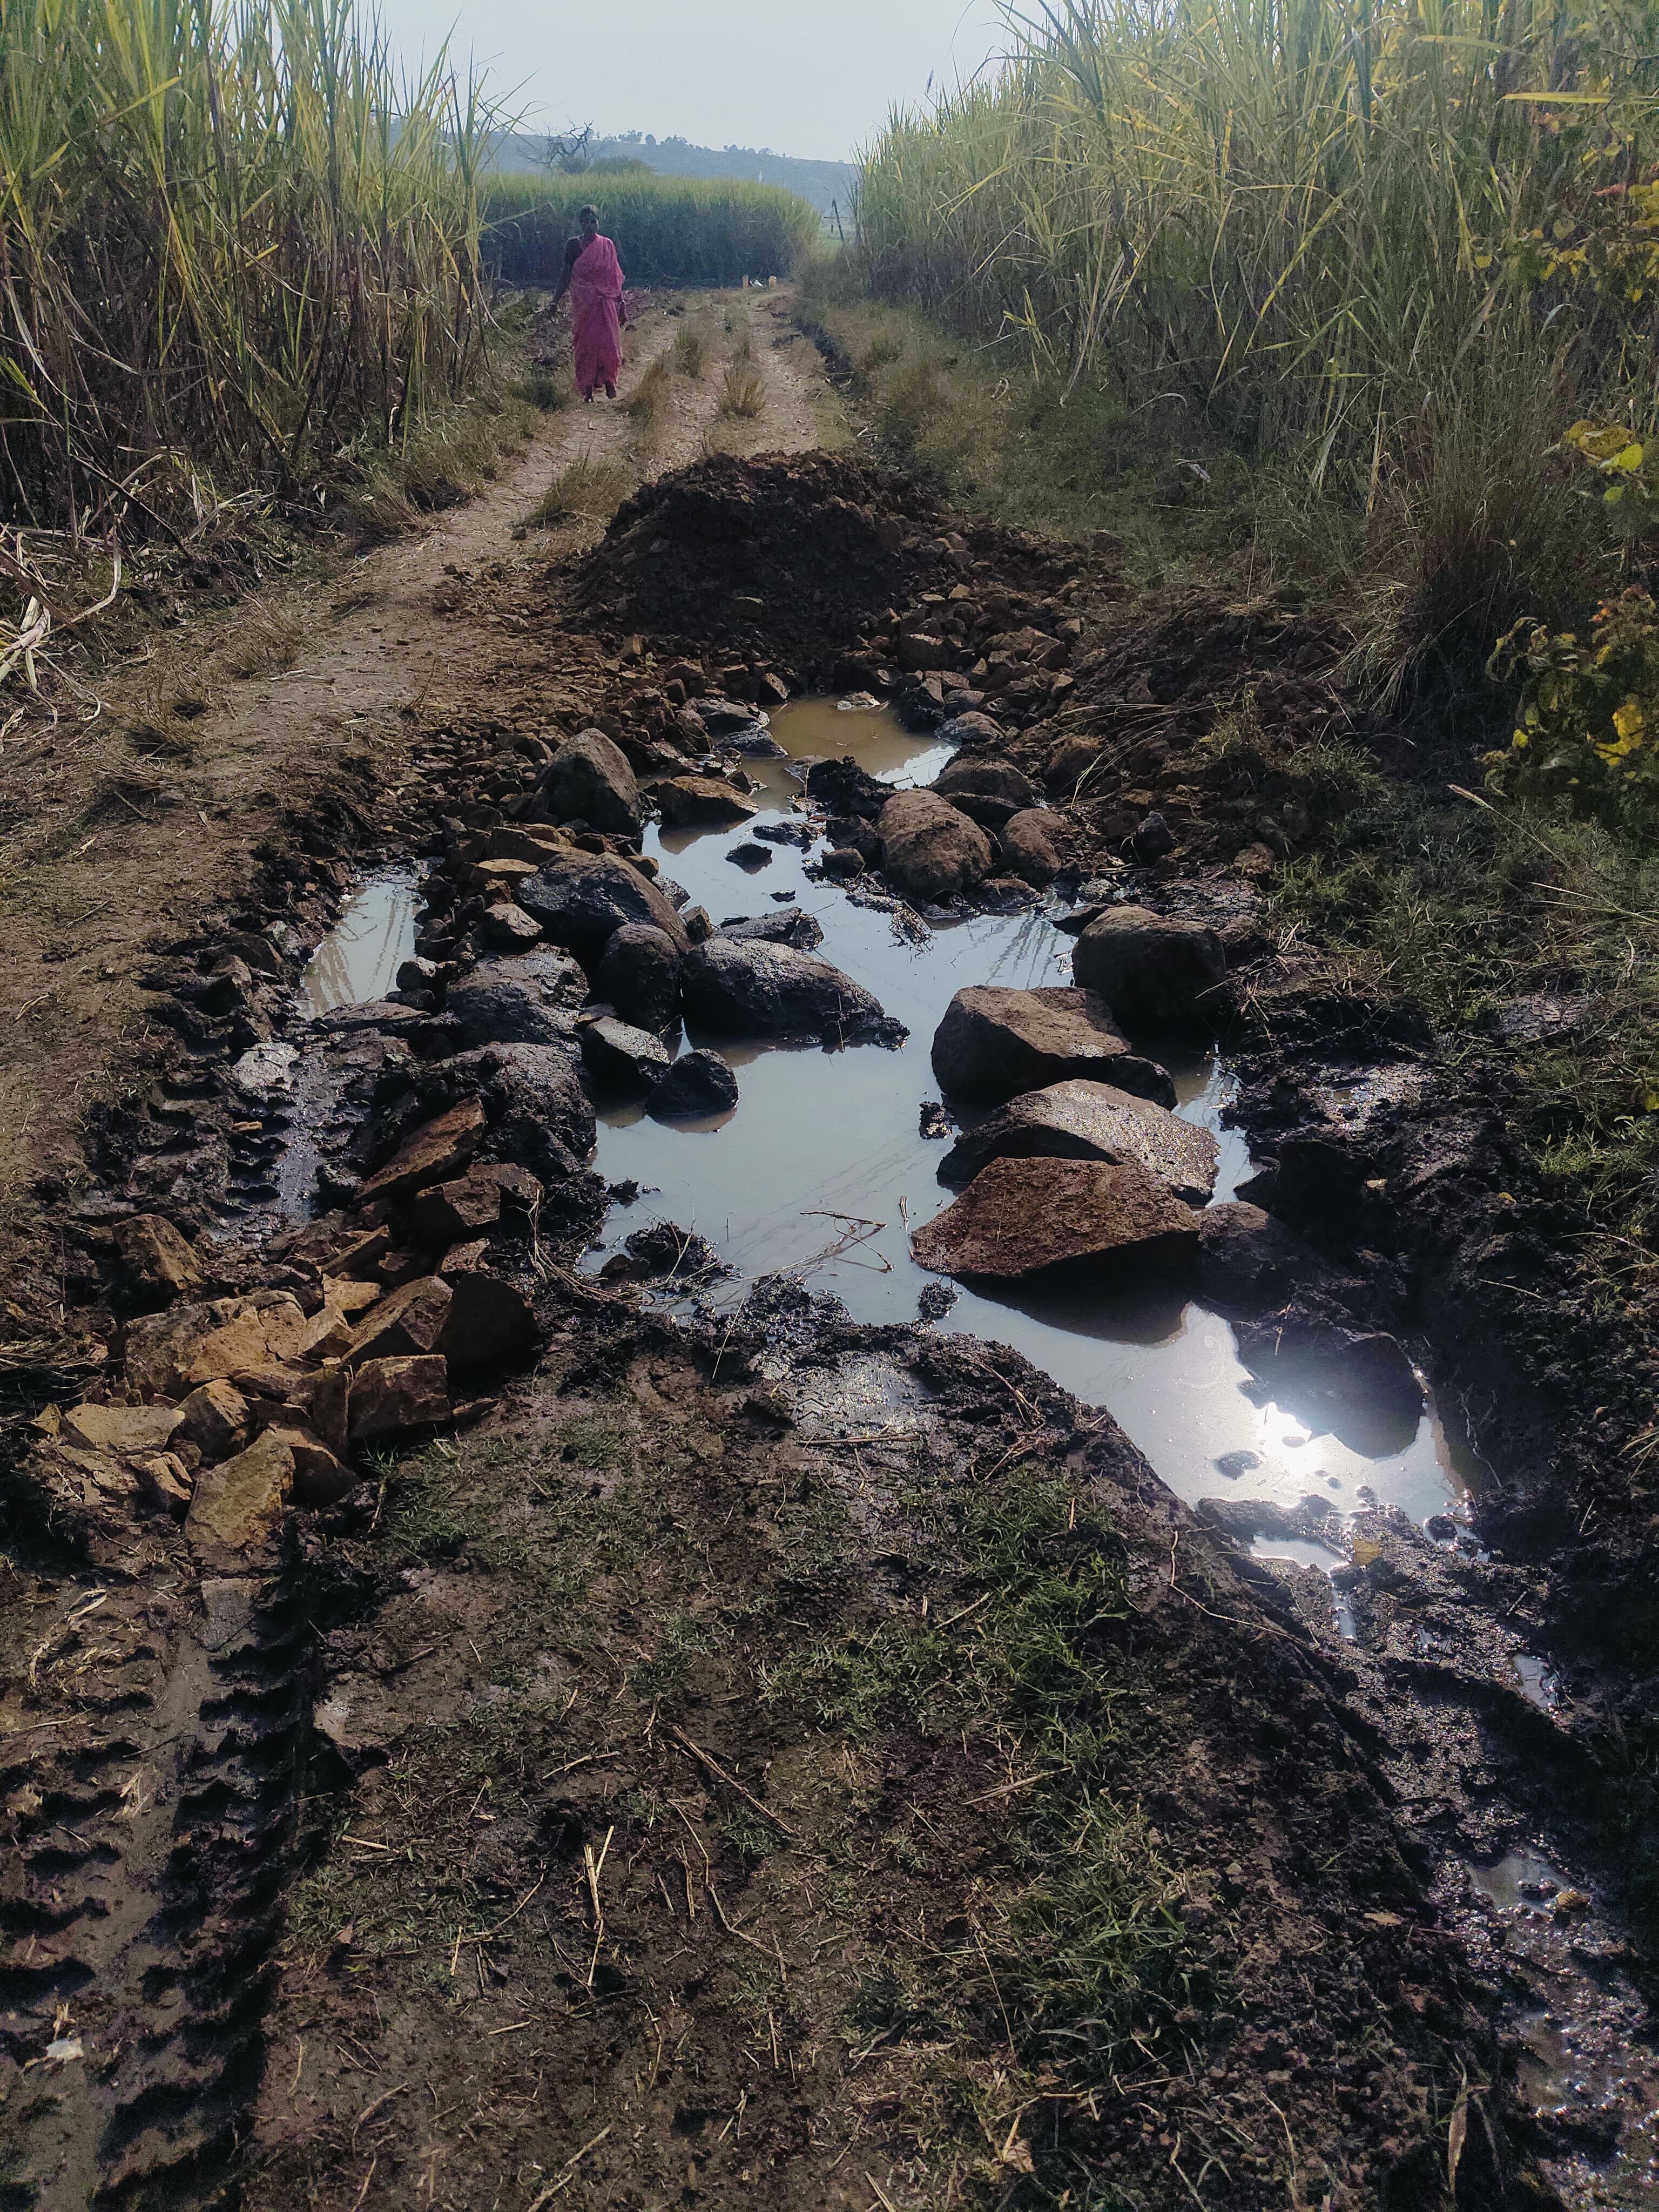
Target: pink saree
[[596, 292]]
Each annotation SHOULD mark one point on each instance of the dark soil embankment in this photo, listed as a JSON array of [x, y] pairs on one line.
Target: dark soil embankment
[[769, 1759]]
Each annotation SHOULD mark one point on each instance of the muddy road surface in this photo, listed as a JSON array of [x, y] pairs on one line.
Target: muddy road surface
[[766, 1476]]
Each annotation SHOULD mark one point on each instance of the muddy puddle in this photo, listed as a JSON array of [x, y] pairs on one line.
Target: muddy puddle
[[360, 957], [821, 1169]]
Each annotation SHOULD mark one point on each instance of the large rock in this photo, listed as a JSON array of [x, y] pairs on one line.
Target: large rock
[[700, 802], [991, 790], [529, 1000], [1090, 1122], [156, 1256], [994, 1043], [1028, 849], [1026, 1218], [543, 1118], [639, 975], [394, 1398], [581, 900], [168, 1354], [216, 1418], [618, 1056], [970, 730], [435, 1152], [930, 850], [473, 1204], [748, 989], [320, 1478], [698, 1084], [238, 1507], [1154, 972], [588, 780]]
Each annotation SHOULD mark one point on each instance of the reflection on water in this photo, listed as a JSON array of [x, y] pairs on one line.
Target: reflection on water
[[823, 1142], [360, 957]]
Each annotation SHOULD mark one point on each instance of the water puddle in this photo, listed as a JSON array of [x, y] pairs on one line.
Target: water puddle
[[360, 957], [821, 1169]]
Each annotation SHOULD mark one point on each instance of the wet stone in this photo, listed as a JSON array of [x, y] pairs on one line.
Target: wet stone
[[432, 1155], [581, 900], [619, 1055], [527, 1001], [639, 975], [699, 1082], [1154, 971], [1021, 1219], [588, 780], [929, 849], [993, 1044], [757, 989], [701, 802], [1090, 1122], [395, 1398]]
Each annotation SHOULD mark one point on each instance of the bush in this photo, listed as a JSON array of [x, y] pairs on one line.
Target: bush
[[668, 230], [1588, 713]]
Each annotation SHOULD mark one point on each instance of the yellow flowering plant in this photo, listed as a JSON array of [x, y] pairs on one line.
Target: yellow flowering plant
[[1586, 722]]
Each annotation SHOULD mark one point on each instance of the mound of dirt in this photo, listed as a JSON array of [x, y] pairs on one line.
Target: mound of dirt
[[803, 547]]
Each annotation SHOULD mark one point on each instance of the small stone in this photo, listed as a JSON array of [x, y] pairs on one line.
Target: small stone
[[749, 856], [165, 1480], [617, 1054], [418, 974], [320, 1479], [698, 1084], [588, 780], [843, 865], [1028, 849], [1086, 1120], [1154, 840], [168, 1354], [993, 1044], [488, 1324]]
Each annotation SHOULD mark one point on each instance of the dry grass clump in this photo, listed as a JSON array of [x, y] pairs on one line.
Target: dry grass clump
[[743, 391], [650, 397], [689, 350], [589, 490]]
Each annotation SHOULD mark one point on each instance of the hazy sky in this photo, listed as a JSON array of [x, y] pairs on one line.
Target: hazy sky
[[814, 80]]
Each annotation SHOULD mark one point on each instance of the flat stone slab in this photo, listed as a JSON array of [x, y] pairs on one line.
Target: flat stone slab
[[1082, 1121], [1020, 1220]]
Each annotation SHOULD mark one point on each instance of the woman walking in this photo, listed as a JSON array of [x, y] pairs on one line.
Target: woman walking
[[592, 277]]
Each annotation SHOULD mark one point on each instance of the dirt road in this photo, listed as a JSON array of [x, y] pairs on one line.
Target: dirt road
[[707, 1756]]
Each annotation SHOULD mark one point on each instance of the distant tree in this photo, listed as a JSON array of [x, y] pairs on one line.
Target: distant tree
[[568, 156]]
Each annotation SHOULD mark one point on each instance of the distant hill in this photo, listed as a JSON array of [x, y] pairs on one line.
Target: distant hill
[[820, 182]]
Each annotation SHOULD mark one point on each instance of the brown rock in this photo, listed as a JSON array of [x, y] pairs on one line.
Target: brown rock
[[122, 1428], [1028, 849], [170, 1354], [156, 1256], [348, 1296], [318, 1477], [410, 1321], [699, 801], [165, 1480], [992, 1044], [435, 1153], [984, 775], [239, 1506], [1023, 1218], [217, 1419], [314, 1397], [525, 841], [1154, 971], [464, 1259], [392, 1398], [588, 780], [920, 650], [930, 850], [1068, 764], [333, 1243], [1090, 1122]]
